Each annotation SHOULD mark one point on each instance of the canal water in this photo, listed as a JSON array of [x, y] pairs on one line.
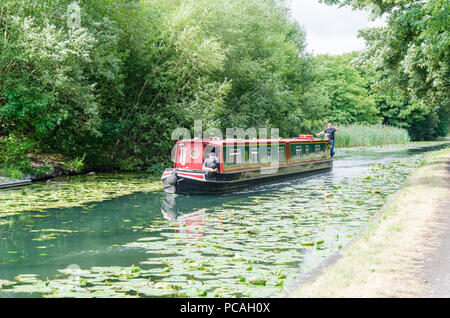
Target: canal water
[[248, 244]]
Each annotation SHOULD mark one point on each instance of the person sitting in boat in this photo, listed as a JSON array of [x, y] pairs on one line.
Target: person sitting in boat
[[211, 164], [329, 133]]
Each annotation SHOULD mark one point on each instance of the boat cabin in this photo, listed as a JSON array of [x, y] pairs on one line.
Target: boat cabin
[[250, 154]]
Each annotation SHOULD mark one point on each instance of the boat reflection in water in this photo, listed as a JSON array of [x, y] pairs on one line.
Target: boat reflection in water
[[176, 208]]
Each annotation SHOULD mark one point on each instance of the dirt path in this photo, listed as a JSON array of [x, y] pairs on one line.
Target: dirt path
[[436, 266]]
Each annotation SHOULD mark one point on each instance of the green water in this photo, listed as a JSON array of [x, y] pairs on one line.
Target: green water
[[248, 244]]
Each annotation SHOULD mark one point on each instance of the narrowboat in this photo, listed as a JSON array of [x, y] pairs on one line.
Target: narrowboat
[[243, 163]]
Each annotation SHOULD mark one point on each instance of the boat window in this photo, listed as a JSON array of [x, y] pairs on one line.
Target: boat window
[[298, 152], [265, 154], [235, 156], [307, 150], [318, 150], [194, 153], [281, 156], [183, 156], [253, 155]]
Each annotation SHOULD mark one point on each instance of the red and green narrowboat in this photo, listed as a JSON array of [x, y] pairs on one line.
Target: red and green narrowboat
[[243, 163]]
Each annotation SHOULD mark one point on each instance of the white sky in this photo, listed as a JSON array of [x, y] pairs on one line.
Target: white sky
[[330, 29]]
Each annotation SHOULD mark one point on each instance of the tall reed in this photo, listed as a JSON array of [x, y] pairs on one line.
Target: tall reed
[[369, 135]]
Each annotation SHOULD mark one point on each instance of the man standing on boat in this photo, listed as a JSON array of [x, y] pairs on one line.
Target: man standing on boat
[[330, 132], [211, 164]]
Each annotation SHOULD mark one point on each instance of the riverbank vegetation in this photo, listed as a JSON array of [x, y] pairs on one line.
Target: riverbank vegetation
[[384, 261], [10, 173], [374, 135], [102, 84]]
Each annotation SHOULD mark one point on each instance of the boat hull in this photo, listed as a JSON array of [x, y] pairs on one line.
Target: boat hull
[[200, 182]]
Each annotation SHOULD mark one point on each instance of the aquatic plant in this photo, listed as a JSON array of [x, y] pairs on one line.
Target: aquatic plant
[[73, 191], [370, 135]]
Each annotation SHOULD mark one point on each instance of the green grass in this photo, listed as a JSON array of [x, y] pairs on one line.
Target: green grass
[[11, 173], [366, 135]]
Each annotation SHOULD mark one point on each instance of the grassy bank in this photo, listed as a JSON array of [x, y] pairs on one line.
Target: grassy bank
[[365, 135], [385, 259]]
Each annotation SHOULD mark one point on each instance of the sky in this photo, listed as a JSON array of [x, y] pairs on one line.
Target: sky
[[330, 29]]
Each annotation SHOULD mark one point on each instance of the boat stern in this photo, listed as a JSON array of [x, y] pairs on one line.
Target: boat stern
[[169, 180], [186, 181]]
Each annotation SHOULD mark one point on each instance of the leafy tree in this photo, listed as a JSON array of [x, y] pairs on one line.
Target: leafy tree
[[349, 99], [414, 51]]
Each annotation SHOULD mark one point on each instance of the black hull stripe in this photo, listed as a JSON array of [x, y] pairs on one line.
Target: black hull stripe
[[190, 186], [215, 183]]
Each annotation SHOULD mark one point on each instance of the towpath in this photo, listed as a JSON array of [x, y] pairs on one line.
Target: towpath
[[436, 264]]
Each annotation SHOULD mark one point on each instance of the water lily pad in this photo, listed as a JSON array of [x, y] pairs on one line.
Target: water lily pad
[[27, 278]]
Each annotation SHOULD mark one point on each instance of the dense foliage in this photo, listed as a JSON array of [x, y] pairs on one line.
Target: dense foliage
[[347, 97], [412, 56], [104, 83], [112, 88]]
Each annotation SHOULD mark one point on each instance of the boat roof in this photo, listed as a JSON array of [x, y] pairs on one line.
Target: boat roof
[[220, 142]]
